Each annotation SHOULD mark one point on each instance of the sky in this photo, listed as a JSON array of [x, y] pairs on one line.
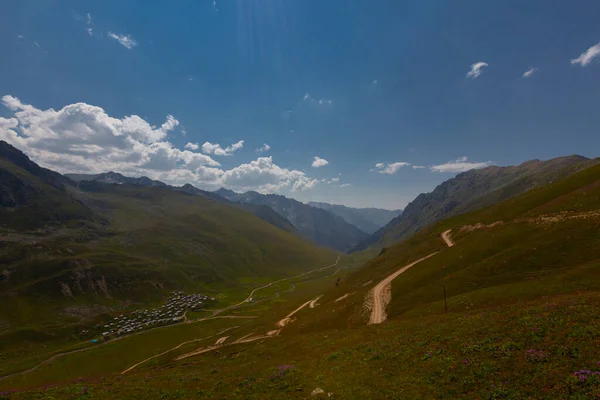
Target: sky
[[365, 103]]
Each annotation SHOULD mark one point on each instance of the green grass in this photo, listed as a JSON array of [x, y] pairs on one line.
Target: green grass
[[152, 241], [530, 350]]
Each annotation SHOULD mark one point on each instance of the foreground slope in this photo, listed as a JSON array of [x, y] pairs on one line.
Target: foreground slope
[[320, 226], [368, 220], [470, 191]]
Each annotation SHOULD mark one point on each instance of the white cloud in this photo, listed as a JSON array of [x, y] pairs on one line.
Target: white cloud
[[391, 168], [192, 146], [319, 162], [266, 176], [476, 69], [125, 40], [460, 165], [20, 36], [81, 138], [345, 185], [89, 18], [530, 72], [588, 56], [90, 31], [217, 150], [265, 147], [320, 102]]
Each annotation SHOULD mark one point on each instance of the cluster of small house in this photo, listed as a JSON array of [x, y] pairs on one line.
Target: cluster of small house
[[172, 312]]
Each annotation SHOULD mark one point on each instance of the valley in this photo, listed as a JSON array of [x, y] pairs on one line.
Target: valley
[[521, 278]]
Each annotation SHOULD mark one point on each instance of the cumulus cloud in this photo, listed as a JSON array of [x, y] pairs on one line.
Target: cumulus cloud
[[529, 72], [390, 168], [459, 165], [265, 147], [125, 40], [476, 69], [82, 138], [319, 162], [266, 176], [343, 185], [192, 146], [217, 150], [588, 56]]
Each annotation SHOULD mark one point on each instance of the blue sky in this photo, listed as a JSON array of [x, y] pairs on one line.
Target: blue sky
[[355, 83]]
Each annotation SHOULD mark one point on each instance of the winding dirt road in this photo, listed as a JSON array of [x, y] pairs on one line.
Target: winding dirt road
[[251, 295], [382, 293], [288, 317], [447, 238]]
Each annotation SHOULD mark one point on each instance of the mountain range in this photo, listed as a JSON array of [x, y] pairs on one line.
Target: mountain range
[[368, 220], [473, 190], [95, 246], [320, 226]]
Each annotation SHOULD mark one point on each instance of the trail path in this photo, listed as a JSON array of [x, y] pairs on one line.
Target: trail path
[[251, 295], [221, 340], [313, 303], [177, 347], [288, 317], [343, 297], [447, 238], [382, 293]]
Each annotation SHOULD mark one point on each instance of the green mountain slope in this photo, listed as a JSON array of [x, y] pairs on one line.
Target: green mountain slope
[[320, 226], [138, 244], [368, 220], [542, 242], [470, 191], [523, 290], [32, 197]]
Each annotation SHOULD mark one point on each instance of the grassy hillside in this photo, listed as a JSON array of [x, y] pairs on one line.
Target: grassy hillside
[[523, 290], [32, 197], [137, 245], [473, 190]]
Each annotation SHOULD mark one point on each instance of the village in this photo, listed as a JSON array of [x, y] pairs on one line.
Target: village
[[170, 313]]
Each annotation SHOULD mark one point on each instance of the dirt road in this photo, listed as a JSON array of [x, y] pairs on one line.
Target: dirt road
[[177, 347], [447, 238], [221, 340], [251, 295], [381, 294], [288, 317], [313, 303]]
